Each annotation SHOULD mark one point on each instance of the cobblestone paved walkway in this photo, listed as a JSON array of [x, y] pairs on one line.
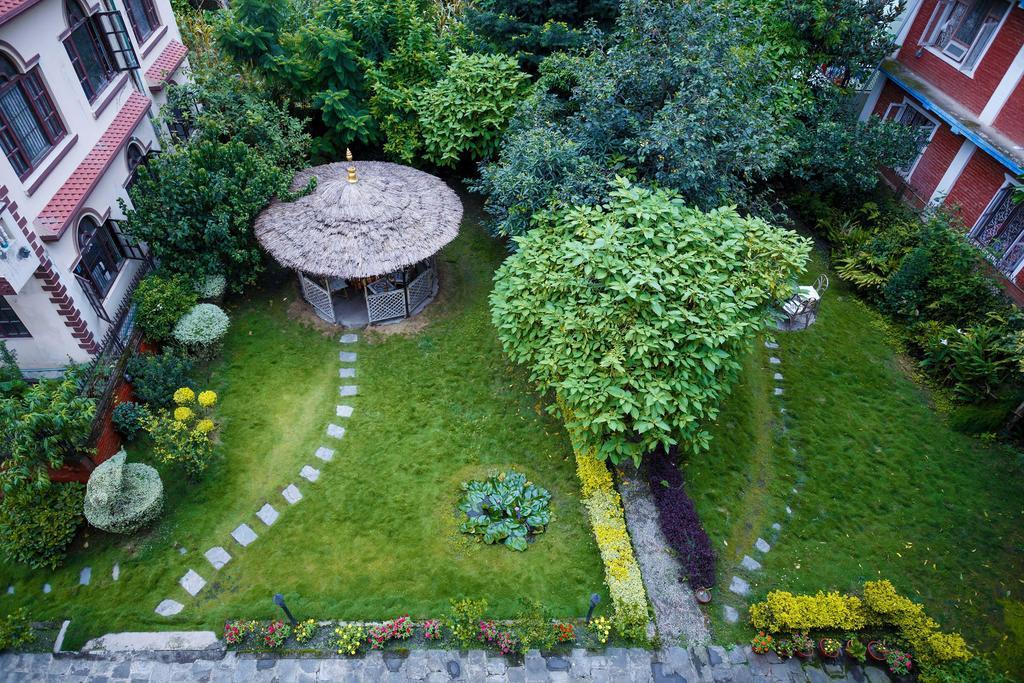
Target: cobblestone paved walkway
[[616, 665]]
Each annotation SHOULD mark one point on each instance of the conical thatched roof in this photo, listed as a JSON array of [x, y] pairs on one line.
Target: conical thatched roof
[[392, 216]]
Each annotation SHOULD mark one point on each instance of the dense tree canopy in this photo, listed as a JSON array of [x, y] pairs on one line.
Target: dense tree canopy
[[634, 312]]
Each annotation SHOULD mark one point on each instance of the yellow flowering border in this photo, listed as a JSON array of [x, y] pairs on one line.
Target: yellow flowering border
[[621, 571]]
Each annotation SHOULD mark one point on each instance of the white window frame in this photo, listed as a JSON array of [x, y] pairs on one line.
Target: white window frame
[[895, 109], [1008, 181], [927, 37]]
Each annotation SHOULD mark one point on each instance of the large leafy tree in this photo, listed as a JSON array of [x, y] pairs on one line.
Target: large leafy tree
[[194, 203], [634, 312]]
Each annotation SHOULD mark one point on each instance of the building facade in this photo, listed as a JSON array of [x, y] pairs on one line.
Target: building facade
[[957, 75], [80, 85]]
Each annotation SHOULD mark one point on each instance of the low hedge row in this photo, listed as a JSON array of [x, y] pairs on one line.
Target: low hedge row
[[680, 522], [880, 605]]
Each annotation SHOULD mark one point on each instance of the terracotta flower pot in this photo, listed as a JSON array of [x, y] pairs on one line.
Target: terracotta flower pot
[[826, 655], [876, 651], [703, 596], [804, 654]]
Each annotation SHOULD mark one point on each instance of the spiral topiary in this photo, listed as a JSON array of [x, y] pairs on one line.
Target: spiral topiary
[[123, 497]]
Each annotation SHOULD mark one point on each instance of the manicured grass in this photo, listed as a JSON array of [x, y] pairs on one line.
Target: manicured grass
[[376, 536], [887, 489]]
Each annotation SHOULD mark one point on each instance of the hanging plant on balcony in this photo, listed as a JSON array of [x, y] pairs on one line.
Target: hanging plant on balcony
[[505, 508]]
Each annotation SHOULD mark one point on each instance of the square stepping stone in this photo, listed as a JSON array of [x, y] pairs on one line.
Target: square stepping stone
[[309, 473], [217, 556], [115, 573], [168, 608], [192, 583], [346, 373], [10, 590], [731, 615], [344, 411], [349, 338], [778, 377], [347, 390], [325, 454], [739, 586], [267, 514], [47, 588], [762, 545], [244, 535], [750, 564], [770, 345], [85, 576], [777, 526], [778, 391], [335, 431], [774, 361], [292, 494], [789, 510], [347, 356]]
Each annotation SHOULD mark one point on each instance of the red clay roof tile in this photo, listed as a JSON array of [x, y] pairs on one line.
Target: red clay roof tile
[[164, 65]]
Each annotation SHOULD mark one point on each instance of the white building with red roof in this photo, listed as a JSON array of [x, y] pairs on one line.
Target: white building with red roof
[[80, 85]]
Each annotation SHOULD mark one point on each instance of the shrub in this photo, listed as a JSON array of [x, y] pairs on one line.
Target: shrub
[[783, 611], [123, 497], [201, 330], [349, 638], [211, 287], [464, 618], [305, 630], [976, 670], [176, 442], [160, 301], [36, 525], [974, 361], [156, 377], [396, 629], [207, 399], [15, 630], [183, 414], [276, 633], [607, 519], [930, 646], [506, 508], [602, 628], [680, 522], [128, 418], [531, 629], [184, 396]]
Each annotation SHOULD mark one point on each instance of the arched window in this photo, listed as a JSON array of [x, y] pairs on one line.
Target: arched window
[[102, 255], [29, 124], [143, 18], [136, 157], [89, 51]]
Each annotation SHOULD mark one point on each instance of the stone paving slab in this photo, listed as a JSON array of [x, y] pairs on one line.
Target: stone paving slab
[[750, 563], [347, 356], [244, 535], [217, 556], [268, 514], [292, 494], [309, 473], [192, 582], [774, 361], [168, 608], [739, 586], [348, 390], [344, 411], [115, 573], [85, 576], [47, 588], [349, 339], [324, 453], [762, 545], [346, 373], [335, 431]]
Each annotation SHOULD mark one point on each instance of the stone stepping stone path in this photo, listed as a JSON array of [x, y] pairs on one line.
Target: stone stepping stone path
[[750, 564], [770, 345], [347, 390], [115, 573], [244, 535], [267, 514], [47, 588], [292, 494], [778, 377], [774, 361], [168, 608], [217, 556], [347, 356], [349, 338], [739, 586], [346, 373], [778, 391], [324, 453], [344, 411], [85, 576], [762, 545], [309, 473], [10, 590], [192, 582], [335, 431], [731, 615]]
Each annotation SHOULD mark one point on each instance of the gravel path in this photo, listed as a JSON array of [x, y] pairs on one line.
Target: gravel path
[[678, 616]]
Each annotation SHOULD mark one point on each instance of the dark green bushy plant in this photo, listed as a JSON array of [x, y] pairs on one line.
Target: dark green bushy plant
[[160, 300], [128, 419], [532, 628], [975, 361], [155, 377], [37, 524], [505, 509], [16, 630]]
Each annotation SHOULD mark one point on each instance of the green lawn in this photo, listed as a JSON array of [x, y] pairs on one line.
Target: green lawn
[[376, 536], [887, 489]]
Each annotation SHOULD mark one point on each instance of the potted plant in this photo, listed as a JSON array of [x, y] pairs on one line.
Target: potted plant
[[803, 646], [856, 649], [761, 643], [829, 648], [703, 596], [898, 661], [876, 650], [784, 648]]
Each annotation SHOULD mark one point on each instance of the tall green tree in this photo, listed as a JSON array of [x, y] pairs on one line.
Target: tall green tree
[[635, 312]]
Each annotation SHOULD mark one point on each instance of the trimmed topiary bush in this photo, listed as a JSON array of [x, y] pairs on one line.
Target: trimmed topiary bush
[[123, 497], [127, 419], [37, 524], [201, 330]]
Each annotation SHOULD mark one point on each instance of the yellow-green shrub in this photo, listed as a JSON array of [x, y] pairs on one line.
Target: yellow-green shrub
[[783, 611], [931, 646]]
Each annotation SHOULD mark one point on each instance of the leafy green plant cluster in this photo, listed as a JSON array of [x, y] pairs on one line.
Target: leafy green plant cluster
[[505, 508], [128, 418], [463, 619], [160, 301], [37, 524], [176, 442], [15, 630], [155, 377], [634, 312]]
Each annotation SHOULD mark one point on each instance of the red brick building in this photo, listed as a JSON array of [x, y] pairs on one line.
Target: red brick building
[[957, 75]]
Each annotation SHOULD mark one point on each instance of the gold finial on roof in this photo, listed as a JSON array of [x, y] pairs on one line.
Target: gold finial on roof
[[352, 174], [348, 154]]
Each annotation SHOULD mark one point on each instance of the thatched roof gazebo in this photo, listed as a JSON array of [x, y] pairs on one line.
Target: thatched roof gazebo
[[363, 242]]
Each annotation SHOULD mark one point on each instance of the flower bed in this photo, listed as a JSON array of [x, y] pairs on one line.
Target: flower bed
[[680, 522]]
